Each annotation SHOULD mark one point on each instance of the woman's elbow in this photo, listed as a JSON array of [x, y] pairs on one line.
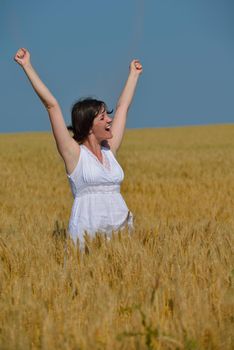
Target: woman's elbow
[[122, 106], [51, 104]]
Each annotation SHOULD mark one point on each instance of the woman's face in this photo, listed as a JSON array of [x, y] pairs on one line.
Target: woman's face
[[102, 126]]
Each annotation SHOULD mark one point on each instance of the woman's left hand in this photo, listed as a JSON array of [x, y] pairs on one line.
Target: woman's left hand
[[136, 67]]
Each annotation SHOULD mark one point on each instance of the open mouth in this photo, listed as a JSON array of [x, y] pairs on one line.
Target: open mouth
[[108, 127]]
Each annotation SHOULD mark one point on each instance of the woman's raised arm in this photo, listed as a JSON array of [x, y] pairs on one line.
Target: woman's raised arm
[[124, 102], [66, 145]]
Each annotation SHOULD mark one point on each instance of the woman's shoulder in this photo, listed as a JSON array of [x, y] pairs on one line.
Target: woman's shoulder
[[107, 149]]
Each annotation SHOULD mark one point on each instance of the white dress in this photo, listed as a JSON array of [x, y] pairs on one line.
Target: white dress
[[98, 204]]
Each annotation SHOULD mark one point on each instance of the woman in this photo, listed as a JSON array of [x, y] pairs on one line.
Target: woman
[[89, 155]]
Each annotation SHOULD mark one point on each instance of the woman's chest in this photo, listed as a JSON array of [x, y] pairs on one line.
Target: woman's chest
[[94, 171]]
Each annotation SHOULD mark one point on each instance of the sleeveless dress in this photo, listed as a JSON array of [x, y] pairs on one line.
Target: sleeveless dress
[[98, 204]]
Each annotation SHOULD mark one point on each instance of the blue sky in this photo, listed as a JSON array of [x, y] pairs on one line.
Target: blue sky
[[83, 48]]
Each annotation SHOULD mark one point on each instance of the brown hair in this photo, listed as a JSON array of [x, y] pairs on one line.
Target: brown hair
[[82, 115]]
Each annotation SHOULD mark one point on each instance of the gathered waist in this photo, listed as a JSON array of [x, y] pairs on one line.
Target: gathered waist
[[94, 189]]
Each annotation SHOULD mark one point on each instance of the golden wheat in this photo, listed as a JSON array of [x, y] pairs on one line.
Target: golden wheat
[[167, 286]]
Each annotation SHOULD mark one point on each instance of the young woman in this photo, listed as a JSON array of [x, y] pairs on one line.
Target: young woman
[[89, 156]]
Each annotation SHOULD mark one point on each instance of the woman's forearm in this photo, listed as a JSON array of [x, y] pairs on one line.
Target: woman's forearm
[[42, 91], [127, 94]]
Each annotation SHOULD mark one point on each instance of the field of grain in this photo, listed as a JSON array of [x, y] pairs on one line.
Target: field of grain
[[167, 286]]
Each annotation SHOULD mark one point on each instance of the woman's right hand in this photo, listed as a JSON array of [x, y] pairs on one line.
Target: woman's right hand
[[22, 57]]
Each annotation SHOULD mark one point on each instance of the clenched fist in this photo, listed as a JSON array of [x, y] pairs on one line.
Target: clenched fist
[[136, 66], [22, 57]]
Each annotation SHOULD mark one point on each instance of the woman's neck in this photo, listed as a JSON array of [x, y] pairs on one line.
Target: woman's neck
[[94, 146]]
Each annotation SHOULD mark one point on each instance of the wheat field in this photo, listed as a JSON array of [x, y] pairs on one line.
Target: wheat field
[[168, 285]]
